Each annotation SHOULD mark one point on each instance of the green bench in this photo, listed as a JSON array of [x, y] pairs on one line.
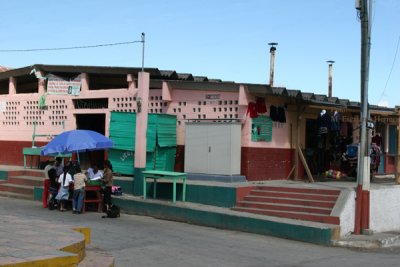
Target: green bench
[[35, 151], [174, 176]]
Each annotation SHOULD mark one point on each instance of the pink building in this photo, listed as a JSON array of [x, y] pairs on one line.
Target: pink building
[[274, 121]]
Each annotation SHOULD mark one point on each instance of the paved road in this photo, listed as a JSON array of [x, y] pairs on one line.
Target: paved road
[[144, 241]]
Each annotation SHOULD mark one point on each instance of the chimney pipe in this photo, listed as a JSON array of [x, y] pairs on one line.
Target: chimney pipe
[[330, 62], [272, 62]]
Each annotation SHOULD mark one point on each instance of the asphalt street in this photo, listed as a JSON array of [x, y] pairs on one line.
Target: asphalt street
[[145, 241]]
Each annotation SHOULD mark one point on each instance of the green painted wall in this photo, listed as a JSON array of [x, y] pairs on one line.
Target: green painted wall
[[218, 196], [226, 221], [207, 195], [211, 195], [38, 193], [3, 175], [126, 185]]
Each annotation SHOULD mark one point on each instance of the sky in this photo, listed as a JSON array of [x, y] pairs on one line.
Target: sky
[[220, 39]]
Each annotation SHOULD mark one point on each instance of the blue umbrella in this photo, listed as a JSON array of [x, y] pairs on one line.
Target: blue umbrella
[[76, 141]]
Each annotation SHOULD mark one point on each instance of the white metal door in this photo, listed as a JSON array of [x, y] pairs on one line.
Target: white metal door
[[219, 149], [196, 148]]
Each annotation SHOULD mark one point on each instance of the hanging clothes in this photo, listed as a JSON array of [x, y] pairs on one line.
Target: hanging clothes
[[344, 129], [324, 123], [281, 115], [335, 122], [273, 113], [260, 105], [252, 110]]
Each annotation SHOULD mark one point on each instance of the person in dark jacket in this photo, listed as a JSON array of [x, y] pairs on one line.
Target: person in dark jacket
[[108, 182]]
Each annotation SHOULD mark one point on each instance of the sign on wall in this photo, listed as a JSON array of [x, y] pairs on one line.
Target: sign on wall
[[57, 85]]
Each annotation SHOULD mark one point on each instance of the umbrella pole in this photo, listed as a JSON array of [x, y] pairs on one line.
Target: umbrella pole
[[77, 156]]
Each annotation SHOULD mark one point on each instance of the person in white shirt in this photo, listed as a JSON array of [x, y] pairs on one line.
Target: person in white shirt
[[94, 173], [50, 165], [64, 180]]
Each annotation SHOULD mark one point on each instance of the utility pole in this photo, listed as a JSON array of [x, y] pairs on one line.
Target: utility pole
[[363, 171], [143, 42]]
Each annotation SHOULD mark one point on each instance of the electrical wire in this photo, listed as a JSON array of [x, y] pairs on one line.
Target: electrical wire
[[391, 69], [66, 48]]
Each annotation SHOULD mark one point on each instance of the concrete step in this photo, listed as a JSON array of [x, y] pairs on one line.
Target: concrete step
[[300, 190], [26, 180], [308, 196], [27, 172], [15, 188], [15, 195], [293, 215], [284, 207], [292, 201], [96, 257]]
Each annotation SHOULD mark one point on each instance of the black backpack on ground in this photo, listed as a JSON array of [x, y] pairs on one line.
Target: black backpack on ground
[[113, 212]]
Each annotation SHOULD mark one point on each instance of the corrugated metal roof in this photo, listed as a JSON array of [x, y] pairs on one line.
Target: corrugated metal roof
[[187, 81], [169, 74], [200, 78], [281, 91], [207, 86], [185, 76], [307, 96], [333, 100], [294, 93], [321, 98], [259, 89]]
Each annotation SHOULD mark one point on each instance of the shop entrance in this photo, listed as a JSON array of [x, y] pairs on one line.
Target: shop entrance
[[311, 144], [97, 123], [324, 151]]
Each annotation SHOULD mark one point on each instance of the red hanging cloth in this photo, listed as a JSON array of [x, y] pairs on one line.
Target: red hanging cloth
[[252, 110], [260, 105]]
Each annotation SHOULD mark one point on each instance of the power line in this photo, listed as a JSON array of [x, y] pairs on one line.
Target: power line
[[391, 69], [66, 48]]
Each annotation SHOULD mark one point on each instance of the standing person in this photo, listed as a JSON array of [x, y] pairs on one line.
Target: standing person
[[59, 167], [79, 191], [108, 182], [65, 180], [50, 165], [53, 189]]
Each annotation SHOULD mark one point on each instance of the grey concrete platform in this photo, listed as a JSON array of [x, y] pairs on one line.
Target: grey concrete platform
[[32, 241]]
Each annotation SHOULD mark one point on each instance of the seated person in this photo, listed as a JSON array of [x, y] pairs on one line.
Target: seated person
[[94, 173]]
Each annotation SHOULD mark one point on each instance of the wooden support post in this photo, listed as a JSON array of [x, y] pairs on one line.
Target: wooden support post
[[290, 173], [296, 161], [310, 177]]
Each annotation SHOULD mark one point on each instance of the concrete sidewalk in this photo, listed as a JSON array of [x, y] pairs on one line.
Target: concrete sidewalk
[[26, 238], [363, 241], [369, 241], [35, 242]]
